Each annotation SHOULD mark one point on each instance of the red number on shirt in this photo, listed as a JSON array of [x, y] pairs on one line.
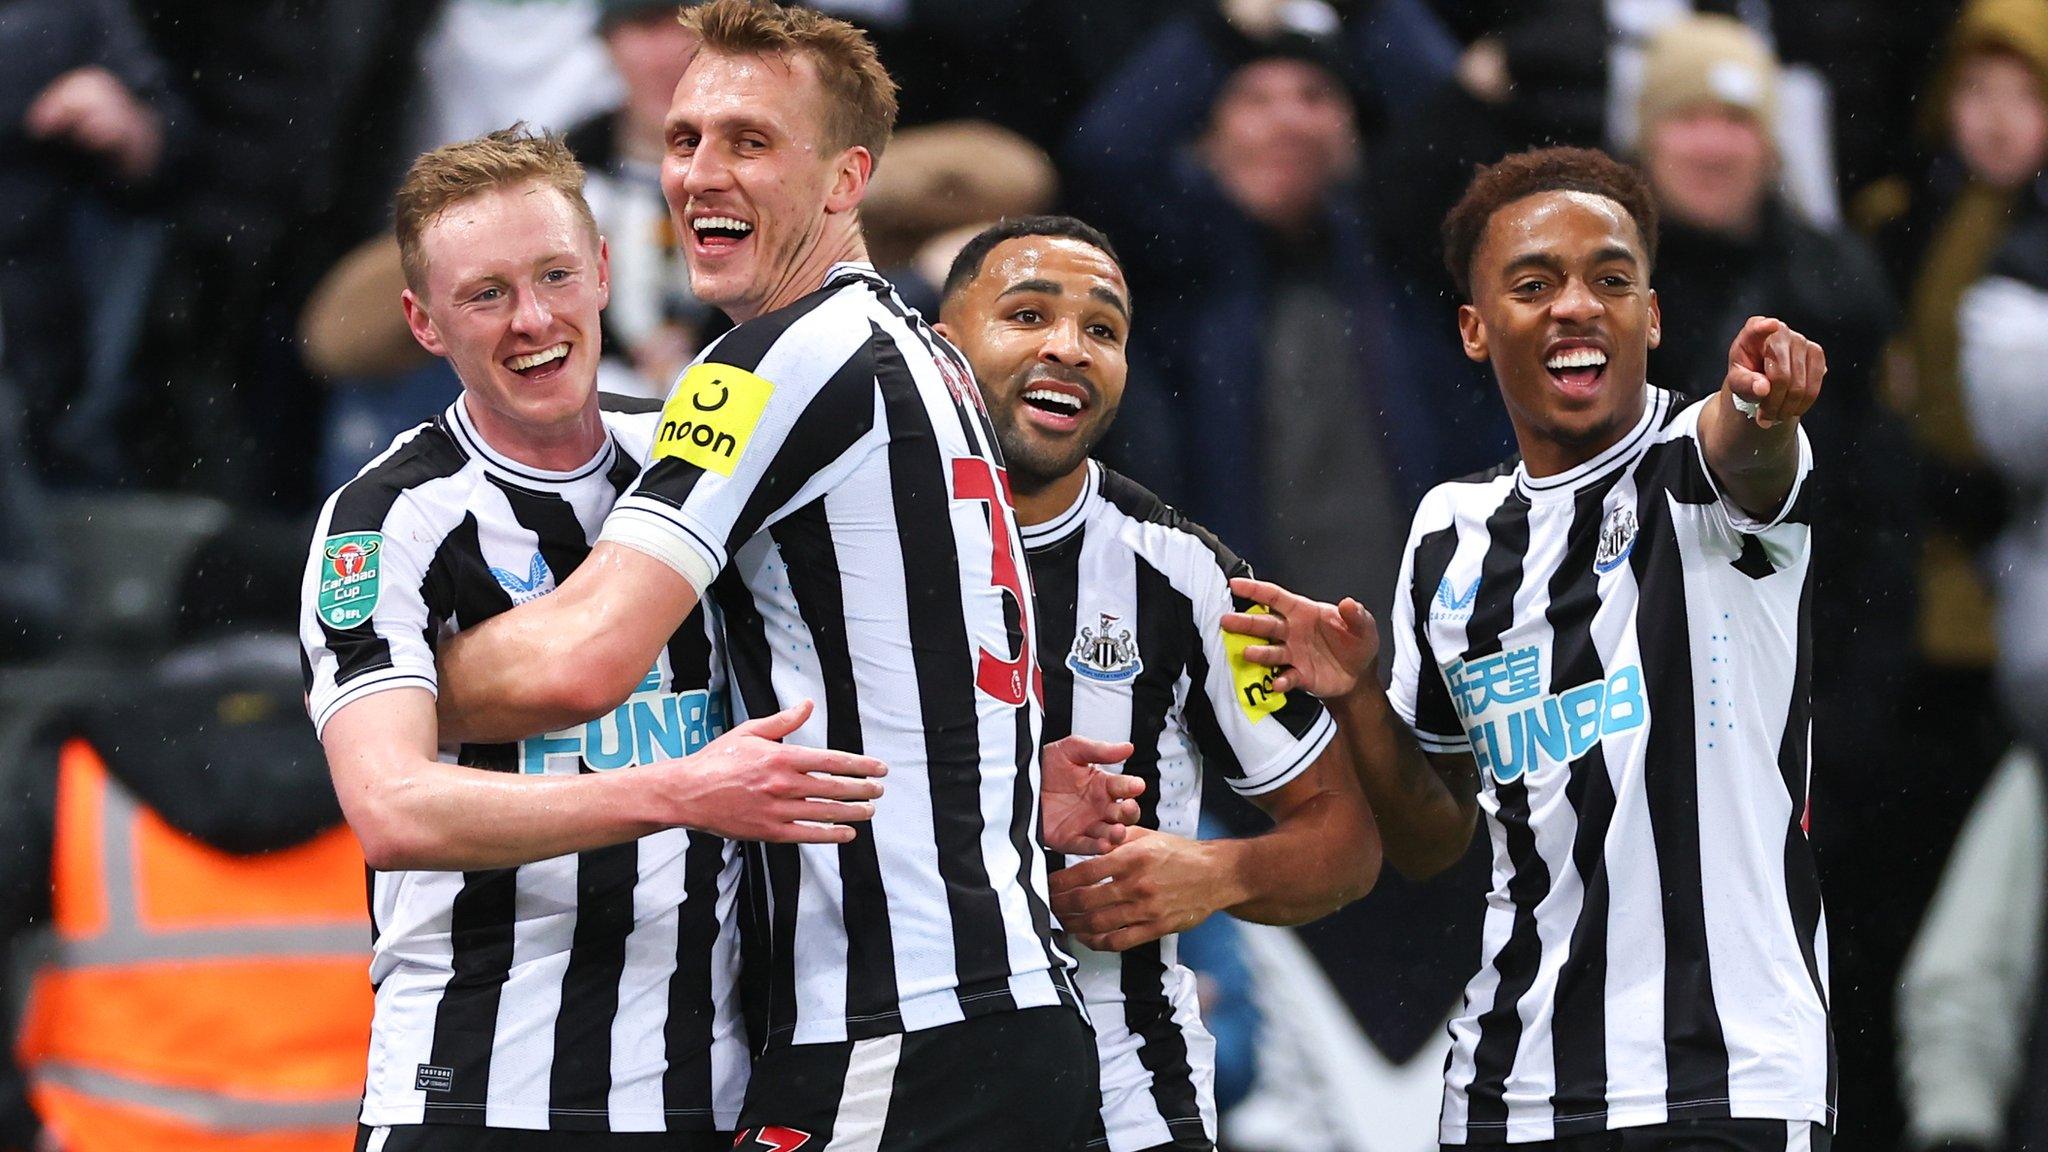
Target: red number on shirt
[[976, 479]]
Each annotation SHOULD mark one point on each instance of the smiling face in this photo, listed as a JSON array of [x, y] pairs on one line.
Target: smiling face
[[1281, 137], [1044, 325], [1562, 308], [514, 281], [761, 198], [1711, 166]]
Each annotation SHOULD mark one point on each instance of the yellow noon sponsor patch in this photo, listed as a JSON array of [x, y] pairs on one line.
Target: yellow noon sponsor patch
[[711, 415], [1253, 682]]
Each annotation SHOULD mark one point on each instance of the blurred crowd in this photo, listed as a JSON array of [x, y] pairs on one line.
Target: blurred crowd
[[200, 336]]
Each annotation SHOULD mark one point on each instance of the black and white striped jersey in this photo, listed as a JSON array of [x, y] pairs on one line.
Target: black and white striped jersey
[[828, 472], [1626, 655], [590, 992], [1131, 597]]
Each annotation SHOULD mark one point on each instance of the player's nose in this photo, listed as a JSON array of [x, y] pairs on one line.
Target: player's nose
[[1576, 302], [1063, 345]]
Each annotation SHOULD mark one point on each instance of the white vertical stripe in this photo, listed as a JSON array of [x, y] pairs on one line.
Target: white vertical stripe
[[1798, 1136], [378, 1138], [1130, 1114], [639, 1054], [523, 1046], [864, 1095]]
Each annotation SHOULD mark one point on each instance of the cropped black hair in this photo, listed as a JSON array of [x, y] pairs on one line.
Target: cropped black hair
[[1495, 186], [967, 265]]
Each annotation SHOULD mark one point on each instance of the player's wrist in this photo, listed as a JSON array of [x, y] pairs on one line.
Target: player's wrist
[[1225, 865]]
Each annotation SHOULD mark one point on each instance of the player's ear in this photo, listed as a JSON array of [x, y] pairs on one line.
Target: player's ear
[[1472, 333], [604, 272], [944, 332], [1656, 320], [850, 179], [422, 326]]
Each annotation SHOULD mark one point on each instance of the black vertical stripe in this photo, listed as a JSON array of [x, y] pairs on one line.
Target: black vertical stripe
[[458, 586], [1056, 588], [1433, 555], [480, 925], [812, 562], [686, 1084], [841, 413], [1500, 1026], [1578, 1020], [466, 1020], [1696, 1051], [944, 667], [1166, 639], [363, 505], [580, 1075], [671, 478], [1802, 882], [772, 868]]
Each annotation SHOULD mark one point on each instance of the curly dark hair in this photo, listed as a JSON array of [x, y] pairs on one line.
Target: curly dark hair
[[1495, 186]]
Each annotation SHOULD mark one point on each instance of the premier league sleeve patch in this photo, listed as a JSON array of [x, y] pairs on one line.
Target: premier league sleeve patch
[[711, 416], [348, 580]]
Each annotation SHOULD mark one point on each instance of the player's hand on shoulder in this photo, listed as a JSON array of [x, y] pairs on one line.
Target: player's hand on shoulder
[[750, 785], [1776, 368], [1085, 807], [1325, 649], [1152, 885]]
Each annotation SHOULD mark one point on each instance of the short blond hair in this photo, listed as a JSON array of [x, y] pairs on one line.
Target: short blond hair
[[453, 173], [860, 95]]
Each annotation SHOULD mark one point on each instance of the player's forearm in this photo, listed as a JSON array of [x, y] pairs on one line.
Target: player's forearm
[[430, 816], [1424, 827], [1755, 466], [1322, 855], [546, 665]]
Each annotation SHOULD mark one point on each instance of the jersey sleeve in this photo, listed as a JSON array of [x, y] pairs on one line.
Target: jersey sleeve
[[1734, 518], [363, 618], [771, 417], [1261, 739], [1417, 691]]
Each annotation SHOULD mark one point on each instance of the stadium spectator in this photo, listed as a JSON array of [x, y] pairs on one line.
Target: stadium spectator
[[1986, 135], [2002, 330], [297, 135], [176, 830], [1293, 406], [88, 124], [1973, 1070]]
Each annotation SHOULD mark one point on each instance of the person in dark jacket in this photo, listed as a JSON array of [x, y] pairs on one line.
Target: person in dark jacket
[[1295, 407]]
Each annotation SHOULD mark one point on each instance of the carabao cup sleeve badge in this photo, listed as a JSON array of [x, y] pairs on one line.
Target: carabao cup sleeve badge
[[348, 579]]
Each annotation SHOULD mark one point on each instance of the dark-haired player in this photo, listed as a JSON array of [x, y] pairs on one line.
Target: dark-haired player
[[1603, 646], [1130, 599]]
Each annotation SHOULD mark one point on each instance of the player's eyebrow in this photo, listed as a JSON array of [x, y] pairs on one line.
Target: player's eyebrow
[[1052, 288]]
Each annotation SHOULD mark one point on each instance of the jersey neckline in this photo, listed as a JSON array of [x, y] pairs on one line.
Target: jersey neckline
[[476, 447], [1059, 528], [1564, 484]]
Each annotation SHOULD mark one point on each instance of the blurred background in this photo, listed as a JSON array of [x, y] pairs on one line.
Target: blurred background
[[200, 337]]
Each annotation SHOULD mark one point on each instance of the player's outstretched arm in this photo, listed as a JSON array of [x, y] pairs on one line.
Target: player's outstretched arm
[[1322, 853], [1755, 460], [567, 657], [1086, 810], [410, 811], [1426, 805]]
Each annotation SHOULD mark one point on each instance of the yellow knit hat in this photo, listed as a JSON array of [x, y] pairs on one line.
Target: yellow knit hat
[[1709, 60]]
